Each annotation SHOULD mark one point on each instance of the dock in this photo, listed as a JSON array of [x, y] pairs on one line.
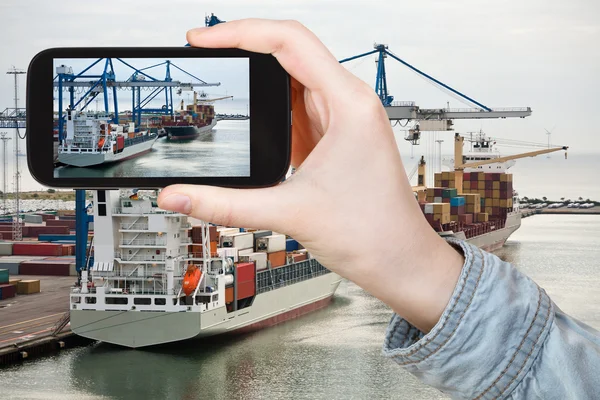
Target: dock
[[36, 324]]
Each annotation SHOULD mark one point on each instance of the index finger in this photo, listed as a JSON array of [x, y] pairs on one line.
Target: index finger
[[296, 48]]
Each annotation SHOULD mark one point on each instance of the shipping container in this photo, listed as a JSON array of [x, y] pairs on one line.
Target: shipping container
[[33, 219], [7, 291], [457, 201], [229, 295], [246, 289], [271, 244], [245, 252], [55, 238], [245, 271], [260, 259], [6, 249], [38, 249], [61, 222], [277, 259], [4, 276], [223, 231], [291, 245], [297, 257], [28, 286], [242, 240], [50, 268]]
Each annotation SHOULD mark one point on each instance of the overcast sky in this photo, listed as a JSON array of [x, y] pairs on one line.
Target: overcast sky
[[544, 54]]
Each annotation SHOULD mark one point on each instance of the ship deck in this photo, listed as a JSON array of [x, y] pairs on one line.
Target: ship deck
[[29, 319]]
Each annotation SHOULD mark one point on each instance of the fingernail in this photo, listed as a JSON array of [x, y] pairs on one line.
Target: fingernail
[[178, 203]]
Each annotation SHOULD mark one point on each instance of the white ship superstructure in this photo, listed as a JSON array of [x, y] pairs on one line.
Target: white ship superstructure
[[482, 149], [136, 286]]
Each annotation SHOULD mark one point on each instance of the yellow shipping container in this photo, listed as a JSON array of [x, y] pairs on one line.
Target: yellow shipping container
[[477, 208], [482, 217], [496, 193], [454, 218], [489, 210], [510, 202], [445, 176], [496, 185], [488, 202], [466, 185], [481, 185], [496, 202], [503, 203], [480, 176]]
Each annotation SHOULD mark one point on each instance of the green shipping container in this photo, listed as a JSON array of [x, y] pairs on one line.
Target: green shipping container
[[449, 193], [3, 276]]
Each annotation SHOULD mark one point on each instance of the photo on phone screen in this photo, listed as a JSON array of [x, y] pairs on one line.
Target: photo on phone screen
[[151, 118]]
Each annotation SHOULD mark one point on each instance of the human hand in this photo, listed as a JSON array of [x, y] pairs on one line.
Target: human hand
[[349, 202]]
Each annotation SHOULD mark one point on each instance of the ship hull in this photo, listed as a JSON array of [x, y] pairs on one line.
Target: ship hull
[[494, 240], [92, 159], [139, 329], [187, 132]]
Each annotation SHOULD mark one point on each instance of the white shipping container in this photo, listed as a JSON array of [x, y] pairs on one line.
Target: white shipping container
[[228, 252], [437, 200], [244, 240], [428, 208], [245, 252], [271, 244], [260, 259], [228, 231]]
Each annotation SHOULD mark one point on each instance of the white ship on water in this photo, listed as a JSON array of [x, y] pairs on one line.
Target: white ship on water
[[92, 140], [146, 286]]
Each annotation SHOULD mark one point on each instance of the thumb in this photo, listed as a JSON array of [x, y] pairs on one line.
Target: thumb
[[249, 208]]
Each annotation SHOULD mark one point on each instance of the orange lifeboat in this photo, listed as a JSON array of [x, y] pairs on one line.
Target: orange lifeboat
[[191, 279], [101, 142]]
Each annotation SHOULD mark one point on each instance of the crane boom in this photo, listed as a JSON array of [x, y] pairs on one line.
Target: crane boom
[[508, 158]]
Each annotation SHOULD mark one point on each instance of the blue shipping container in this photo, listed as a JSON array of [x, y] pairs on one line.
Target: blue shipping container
[[457, 201], [54, 238], [291, 245]]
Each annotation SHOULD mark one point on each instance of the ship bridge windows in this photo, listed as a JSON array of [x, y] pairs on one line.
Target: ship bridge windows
[[127, 204], [142, 301], [117, 300]]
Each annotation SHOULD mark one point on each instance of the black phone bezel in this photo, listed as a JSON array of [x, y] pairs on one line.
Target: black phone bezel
[[270, 122]]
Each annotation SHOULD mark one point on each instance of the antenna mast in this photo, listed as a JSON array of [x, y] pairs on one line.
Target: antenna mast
[[16, 225], [4, 170]]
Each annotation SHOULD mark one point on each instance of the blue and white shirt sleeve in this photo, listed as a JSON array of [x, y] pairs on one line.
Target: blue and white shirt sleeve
[[500, 337]]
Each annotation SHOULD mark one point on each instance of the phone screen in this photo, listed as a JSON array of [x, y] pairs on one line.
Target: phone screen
[[151, 118]]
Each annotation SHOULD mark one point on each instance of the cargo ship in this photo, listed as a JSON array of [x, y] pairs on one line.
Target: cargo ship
[[189, 123], [155, 278], [92, 140], [475, 201]]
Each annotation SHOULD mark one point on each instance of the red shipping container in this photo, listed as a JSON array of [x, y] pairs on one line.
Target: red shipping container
[[53, 268], [37, 249], [466, 176], [489, 177], [245, 272], [446, 200], [8, 291], [465, 218], [35, 231], [6, 235], [245, 289], [299, 257], [495, 176], [61, 222], [277, 258]]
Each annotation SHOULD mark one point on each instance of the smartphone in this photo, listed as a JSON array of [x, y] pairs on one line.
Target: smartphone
[[151, 117]]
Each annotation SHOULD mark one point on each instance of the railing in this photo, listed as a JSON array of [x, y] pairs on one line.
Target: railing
[[402, 104], [144, 242], [149, 258], [137, 227], [271, 279], [474, 110]]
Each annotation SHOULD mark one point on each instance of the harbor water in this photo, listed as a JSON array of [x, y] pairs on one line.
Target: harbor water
[[225, 151], [334, 353]]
